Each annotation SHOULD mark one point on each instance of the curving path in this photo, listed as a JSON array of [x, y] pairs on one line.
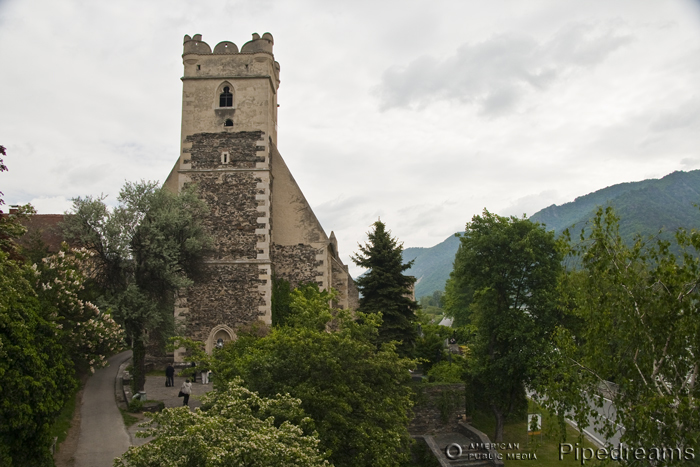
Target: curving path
[[102, 433]]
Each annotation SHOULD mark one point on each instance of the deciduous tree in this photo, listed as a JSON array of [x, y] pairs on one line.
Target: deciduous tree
[[46, 331], [638, 314], [234, 427], [357, 395], [459, 295], [88, 334], [36, 372], [146, 248], [511, 265]]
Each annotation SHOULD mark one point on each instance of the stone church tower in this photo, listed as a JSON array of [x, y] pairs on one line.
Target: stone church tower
[[260, 221]]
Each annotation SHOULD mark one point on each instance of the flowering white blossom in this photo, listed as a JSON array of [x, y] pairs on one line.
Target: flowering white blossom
[[235, 427], [87, 332]]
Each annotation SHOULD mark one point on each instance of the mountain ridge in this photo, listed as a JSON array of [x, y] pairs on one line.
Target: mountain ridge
[[646, 207]]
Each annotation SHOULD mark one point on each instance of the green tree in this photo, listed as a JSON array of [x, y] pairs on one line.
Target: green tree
[[10, 226], [36, 372], [88, 335], [434, 300], [431, 306], [310, 307], [234, 427], [430, 343], [637, 324], [512, 266], [145, 249], [305, 306], [385, 289], [195, 352], [357, 395], [46, 331], [459, 295], [281, 291]]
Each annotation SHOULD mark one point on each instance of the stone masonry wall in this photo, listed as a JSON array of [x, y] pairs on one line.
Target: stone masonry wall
[[228, 169], [437, 408], [353, 294], [207, 149], [233, 214], [227, 293], [295, 263], [229, 193], [340, 281]]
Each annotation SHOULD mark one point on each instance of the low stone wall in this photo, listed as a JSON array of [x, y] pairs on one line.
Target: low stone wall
[[438, 408], [481, 439], [122, 386]]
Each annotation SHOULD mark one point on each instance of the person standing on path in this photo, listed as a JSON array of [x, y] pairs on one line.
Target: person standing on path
[[170, 376], [186, 389], [194, 372]]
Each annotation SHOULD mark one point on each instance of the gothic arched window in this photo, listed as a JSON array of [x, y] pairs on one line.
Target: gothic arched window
[[226, 98]]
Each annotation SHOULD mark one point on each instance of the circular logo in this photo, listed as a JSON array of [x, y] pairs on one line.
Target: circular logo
[[450, 451]]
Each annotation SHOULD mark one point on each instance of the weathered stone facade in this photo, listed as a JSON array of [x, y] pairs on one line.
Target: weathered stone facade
[[297, 264], [262, 225]]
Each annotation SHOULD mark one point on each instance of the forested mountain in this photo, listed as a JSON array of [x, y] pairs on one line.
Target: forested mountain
[[432, 266], [644, 208]]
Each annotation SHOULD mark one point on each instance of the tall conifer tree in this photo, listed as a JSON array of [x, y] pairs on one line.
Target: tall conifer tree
[[385, 288]]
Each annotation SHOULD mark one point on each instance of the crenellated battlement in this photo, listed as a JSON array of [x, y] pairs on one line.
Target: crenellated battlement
[[195, 45], [254, 60]]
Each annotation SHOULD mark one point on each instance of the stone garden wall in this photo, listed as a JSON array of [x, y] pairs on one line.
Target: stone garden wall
[[438, 408]]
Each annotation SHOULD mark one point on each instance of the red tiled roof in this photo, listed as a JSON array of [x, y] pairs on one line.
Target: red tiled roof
[[45, 227]]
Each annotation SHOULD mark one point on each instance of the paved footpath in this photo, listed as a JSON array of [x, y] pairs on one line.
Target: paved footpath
[[102, 433], [156, 390]]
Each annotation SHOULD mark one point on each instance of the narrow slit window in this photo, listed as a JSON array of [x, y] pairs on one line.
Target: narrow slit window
[[228, 122], [224, 158], [226, 98]]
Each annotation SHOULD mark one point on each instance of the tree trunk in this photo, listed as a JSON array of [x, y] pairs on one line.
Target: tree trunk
[[500, 421], [139, 364]]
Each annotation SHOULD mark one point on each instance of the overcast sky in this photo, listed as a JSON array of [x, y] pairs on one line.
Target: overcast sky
[[422, 113]]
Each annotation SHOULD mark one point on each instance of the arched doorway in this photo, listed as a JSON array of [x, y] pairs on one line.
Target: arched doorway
[[218, 336]]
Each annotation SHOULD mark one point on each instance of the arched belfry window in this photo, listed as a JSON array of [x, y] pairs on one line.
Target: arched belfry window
[[226, 98]]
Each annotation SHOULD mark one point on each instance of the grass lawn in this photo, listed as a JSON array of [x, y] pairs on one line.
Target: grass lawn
[[129, 419], [544, 446], [62, 423]]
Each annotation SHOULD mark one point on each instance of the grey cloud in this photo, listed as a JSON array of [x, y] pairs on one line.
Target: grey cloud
[[531, 203], [53, 204], [684, 116], [579, 45], [341, 204], [94, 173], [690, 163], [495, 74], [340, 212]]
